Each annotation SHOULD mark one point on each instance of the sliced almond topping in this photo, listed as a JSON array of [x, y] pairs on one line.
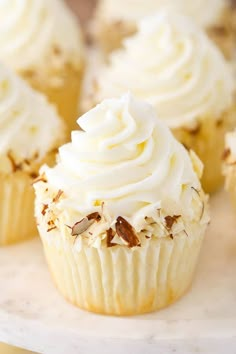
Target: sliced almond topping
[[94, 216], [81, 226], [110, 235], [41, 178], [126, 232], [15, 166], [170, 220]]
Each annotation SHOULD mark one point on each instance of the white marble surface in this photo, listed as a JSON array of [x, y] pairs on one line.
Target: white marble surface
[[33, 315]]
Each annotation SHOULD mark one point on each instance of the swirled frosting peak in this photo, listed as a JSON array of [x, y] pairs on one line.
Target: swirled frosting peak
[[173, 65], [30, 30], [29, 126], [126, 161]]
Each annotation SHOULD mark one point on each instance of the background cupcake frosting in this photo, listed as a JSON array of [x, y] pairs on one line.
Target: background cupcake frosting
[[175, 67], [205, 13], [27, 120], [31, 31]]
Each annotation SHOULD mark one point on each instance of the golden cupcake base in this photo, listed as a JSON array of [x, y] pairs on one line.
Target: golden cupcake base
[[63, 88], [207, 141], [17, 221], [230, 182], [110, 34], [122, 281]]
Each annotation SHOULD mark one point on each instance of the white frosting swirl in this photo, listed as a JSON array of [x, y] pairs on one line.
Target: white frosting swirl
[[127, 159], [204, 12], [29, 125], [31, 29], [175, 67]]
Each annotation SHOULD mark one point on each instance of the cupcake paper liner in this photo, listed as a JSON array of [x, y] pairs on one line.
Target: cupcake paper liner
[[17, 221], [230, 183], [207, 140], [120, 280]]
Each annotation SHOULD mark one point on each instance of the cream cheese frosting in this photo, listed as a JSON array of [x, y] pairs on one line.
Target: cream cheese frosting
[[124, 162], [32, 30], [204, 12], [29, 126], [173, 65]]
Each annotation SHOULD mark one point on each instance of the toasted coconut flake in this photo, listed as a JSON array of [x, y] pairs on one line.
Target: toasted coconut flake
[[45, 207], [15, 167], [33, 175], [126, 232], [110, 235], [226, 154], [41, 178], [51, 228], [57, 197], [170, 221]]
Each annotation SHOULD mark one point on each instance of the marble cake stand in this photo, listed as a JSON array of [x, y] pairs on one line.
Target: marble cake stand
[[34, 316]]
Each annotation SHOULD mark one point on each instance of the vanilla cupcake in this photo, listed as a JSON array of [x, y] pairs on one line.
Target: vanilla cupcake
[[115, 20], [30, 131], [229, 167], [173, 65], [122, 215], [41, 41]]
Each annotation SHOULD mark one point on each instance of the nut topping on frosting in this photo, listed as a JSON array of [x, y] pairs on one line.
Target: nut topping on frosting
[[126, 232], [125, 179]]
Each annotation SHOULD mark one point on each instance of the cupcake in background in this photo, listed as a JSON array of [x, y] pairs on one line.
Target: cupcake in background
[[125, 213], [173, 65], [30, 131], [229, 167], [41, 41], [115, 20]]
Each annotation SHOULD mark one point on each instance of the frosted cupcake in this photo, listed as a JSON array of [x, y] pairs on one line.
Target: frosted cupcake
[[229, 169], [30, 131], [173, 65], [115, 20], [41, 40], [122, 215]]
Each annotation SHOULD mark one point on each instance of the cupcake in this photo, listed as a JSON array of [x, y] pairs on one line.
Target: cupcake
[[229, 167], [30, 131], [173, 65], [41, 41], [115, 20], [122, 215]]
